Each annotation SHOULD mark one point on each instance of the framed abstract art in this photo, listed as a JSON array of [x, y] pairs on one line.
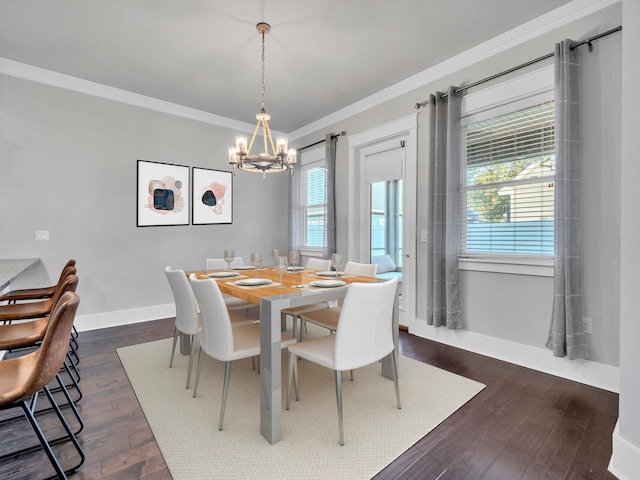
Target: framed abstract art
[[212, 196], [163, 194]]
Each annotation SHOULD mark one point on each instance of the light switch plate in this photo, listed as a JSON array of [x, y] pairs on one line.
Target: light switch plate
[[423, 236], [42, 235]]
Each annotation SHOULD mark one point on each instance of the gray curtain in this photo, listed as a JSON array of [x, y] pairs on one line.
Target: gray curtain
[[566, 336], [443, 286], [330, 191], [295, 209]]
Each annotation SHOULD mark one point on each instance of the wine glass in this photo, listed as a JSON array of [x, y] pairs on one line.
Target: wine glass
[[294, 258], [280, 267], [274, 254], [228, 257], [256, 261], [336, 262]]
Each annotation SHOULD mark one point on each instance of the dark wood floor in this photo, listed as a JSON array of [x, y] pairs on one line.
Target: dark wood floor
[[523, 425]]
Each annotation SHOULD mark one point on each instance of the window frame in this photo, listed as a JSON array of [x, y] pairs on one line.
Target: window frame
[[521, 92], [310, 159]]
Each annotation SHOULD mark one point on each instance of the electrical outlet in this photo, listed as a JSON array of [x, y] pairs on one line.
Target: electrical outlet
[[587, 325]]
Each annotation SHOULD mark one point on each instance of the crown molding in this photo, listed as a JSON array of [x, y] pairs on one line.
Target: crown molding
[[545, 23], [548, 22], [68, 82]]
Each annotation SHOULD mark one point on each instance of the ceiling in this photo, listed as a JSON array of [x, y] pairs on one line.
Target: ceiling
[[321, 55]]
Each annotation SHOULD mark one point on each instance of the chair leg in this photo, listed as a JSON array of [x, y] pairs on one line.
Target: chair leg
[[173, 349], [67, 428], [71, 404], [193, 339], [225, 391], [338, 376], [394, 360], [43, 441], [195, 385]]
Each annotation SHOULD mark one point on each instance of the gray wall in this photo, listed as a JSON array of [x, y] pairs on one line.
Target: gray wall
[[518, 307], [629, 421], [68, 165]]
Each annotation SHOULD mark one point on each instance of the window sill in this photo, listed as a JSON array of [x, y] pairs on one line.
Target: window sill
[[311, 252], [539, 267]]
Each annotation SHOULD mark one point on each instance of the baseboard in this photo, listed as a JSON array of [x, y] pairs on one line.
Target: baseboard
[[123, 317], [625, 459], [596, 374], [591, 373]]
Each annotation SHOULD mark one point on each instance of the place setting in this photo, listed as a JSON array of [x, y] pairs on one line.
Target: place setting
[[223, 274]]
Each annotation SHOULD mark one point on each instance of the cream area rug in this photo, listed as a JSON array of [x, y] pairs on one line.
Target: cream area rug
[[376, 432]]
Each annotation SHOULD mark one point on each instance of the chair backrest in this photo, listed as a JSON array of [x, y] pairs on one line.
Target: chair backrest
[[69, 284], [217, 336], [55, 344], [364, 334], [66, 271], [187, 318], [219, 263], [363, 269], [319, 264]]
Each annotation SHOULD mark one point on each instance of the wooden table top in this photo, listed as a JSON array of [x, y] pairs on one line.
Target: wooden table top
[[294, 282]]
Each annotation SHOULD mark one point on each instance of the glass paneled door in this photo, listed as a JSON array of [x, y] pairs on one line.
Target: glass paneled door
[[382, 206], [385, 220]]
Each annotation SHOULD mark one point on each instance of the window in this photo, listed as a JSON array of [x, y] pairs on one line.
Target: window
[[507, 184], [313, 201]]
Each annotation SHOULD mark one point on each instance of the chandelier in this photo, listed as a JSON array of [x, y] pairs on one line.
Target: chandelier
[[274, 157]]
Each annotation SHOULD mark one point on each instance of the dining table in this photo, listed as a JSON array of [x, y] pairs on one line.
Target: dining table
[[299, 286]]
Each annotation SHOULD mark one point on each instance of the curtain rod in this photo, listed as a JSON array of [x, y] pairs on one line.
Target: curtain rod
[[333, 135], [588, 41]]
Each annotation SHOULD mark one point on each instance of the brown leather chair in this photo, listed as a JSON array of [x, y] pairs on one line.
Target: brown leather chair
[[24, 377], [39, 293], [29, 333], [37, 309]]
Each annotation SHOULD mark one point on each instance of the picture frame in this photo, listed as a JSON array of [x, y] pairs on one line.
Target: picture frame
[[163, 192], [212, 201]]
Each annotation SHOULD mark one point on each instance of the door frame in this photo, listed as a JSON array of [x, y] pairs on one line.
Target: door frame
[[404, 129]]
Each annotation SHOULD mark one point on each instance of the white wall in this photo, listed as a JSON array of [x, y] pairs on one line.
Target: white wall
[[68, 165]]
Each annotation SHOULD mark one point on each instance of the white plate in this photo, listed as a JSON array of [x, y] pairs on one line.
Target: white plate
[[327, 274], [222, 274], [295, 269], [250, 282], [327, 283], [244, 267]]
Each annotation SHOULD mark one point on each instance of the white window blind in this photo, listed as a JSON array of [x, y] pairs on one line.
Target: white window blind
[[507, 190], [313, 201]]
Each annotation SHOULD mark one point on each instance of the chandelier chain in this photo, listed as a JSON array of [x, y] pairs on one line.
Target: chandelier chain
[[263, 110]]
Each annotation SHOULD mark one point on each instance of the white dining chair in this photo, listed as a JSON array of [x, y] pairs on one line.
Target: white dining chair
[[221, 264], [364, 336], [295, 312], [188, 321], [187, 315], [233, 303], [329, 317], [318, 264], [219, 340]]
